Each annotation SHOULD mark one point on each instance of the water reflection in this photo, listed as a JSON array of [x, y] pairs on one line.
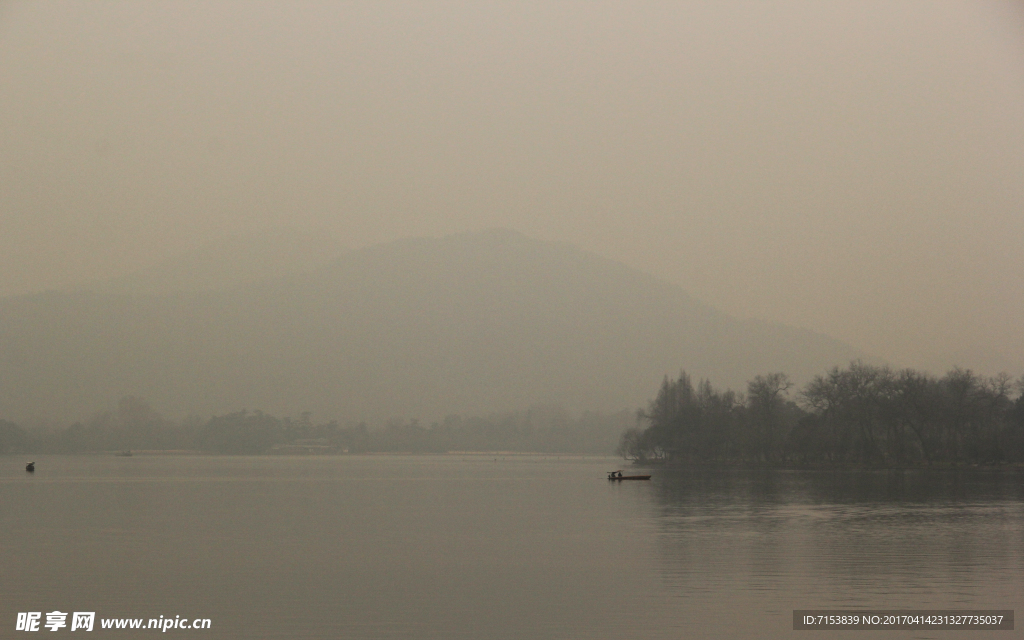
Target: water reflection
[[751, 545], [449, 547]]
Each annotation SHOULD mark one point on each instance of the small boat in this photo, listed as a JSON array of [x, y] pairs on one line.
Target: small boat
[[617, 475], [30, 467], [124, 454]]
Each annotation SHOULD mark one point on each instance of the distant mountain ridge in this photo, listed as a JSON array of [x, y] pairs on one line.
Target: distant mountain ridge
[[469, 323], [228, 262]]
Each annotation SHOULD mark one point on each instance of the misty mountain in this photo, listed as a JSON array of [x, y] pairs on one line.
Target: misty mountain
[[239, 259], [470, 324]]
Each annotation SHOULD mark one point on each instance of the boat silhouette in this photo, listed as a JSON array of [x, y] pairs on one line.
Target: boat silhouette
[[617, 475]]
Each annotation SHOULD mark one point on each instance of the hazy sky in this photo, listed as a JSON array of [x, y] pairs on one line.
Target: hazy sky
[[856, 168]]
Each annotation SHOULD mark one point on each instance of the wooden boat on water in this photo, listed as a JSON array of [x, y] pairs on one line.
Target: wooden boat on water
[[617, 475]]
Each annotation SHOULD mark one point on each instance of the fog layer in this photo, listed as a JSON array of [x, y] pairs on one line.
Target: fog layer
[[422, 328], [849, 167]]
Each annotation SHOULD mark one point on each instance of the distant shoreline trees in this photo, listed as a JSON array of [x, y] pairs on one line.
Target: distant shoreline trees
[[134, 425], [857, 415], [861, 414]]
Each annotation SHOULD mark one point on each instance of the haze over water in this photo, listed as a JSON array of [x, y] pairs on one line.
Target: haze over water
[[497, 547]]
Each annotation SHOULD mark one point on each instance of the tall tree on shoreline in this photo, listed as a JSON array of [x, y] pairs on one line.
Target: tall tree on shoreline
[[765, 403]]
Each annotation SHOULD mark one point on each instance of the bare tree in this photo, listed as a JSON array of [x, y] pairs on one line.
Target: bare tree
[[765, 399]]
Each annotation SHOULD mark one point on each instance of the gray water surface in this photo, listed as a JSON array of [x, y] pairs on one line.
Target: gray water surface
[[496, 547]]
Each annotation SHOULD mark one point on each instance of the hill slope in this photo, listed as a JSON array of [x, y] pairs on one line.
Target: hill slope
[[253, 257], [418, 328]]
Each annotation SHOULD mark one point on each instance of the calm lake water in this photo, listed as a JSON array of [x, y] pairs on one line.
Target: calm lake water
[[513, 547]]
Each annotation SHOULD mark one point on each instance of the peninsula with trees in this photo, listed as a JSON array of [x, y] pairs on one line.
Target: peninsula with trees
[[862, 414]]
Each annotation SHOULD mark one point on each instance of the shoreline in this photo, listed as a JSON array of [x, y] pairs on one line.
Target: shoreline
[[655, 464]]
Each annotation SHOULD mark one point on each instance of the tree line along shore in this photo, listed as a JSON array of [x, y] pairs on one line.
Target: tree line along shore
[[135, 426], [858, 415]]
